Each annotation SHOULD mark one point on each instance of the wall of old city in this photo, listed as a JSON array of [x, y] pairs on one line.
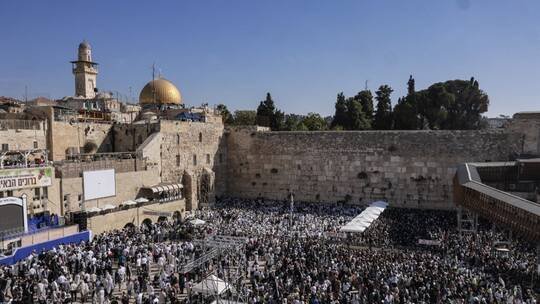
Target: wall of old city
[[128, 185], [135, 216], [128, 137], [405, 168], [66, 136], [190, 150], [23, 134], [528, 124]]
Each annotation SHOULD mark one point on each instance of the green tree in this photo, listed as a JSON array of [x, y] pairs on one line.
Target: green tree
[[268, 115], [277, 121], [226, 115], [302, 127], [405, 112], [405, 115], [245, 118], [340, 116], [383, 115], [366, 99], [411, 86], [265, 111], [433, 106], [291, 123], [314, 122], [468, 104], [356, 116]]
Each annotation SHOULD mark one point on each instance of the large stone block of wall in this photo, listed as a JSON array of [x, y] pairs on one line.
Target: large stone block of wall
[[528, 124], [405, 168], [128, 185], [193, 147], [128, 137], [66, 135], [23, 134]]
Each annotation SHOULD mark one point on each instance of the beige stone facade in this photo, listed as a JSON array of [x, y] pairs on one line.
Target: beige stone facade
[[527, 124], [135, 216], [23, 135], [405, 168], [128, 186], [79, 137]]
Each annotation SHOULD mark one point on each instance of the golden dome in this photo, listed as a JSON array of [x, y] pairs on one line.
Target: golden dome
[[160, 91]]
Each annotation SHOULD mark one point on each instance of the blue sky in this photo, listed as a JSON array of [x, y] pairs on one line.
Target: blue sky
[[303, 52]]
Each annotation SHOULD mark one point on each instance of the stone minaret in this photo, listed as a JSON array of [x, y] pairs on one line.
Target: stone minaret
[[85, 72]]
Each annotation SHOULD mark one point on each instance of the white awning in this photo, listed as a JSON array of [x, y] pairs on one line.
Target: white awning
[[212, 285], [108, 207], [93, 209], [362, 222], [197, 222], [129, 203], [142, 200], [166, 188]]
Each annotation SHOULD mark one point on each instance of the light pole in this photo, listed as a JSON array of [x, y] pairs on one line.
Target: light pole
[[291, 206]]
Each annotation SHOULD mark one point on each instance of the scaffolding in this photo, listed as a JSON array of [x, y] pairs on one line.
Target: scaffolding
[[467, 221], [24, 158], [218, 247]]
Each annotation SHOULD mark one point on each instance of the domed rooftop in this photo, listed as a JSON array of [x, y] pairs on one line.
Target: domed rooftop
[[84, 45], [160, 91]]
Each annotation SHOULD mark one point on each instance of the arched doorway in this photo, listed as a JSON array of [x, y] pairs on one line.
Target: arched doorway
[[187, 179], [204, 189], [162, 219], [129, 226]]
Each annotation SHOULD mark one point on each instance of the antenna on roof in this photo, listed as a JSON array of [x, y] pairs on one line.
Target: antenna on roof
[[366, 87], [153, 78]]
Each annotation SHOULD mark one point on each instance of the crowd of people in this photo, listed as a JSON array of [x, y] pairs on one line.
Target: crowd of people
[[290, 254]]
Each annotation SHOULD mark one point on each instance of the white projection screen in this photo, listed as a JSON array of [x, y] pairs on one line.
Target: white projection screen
[[98, 184]]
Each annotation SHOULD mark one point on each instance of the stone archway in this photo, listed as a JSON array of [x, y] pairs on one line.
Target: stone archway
[[205, 187], [204, 190], [129, 226], [187, 182]]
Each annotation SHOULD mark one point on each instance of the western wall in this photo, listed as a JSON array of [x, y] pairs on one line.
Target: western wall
[[405, 168]]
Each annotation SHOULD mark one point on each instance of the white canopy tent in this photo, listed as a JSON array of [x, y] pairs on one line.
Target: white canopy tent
[[93, 209], [142, 200], [129, 203], [108, 207], [361, 222], [197, 222], [212, 285]]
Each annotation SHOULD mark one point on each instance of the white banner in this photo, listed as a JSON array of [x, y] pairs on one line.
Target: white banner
[[13, 179], [429, 242]]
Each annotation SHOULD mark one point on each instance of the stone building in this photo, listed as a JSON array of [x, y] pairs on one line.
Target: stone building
[[85, 71], [180, 158], [88, 101]]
